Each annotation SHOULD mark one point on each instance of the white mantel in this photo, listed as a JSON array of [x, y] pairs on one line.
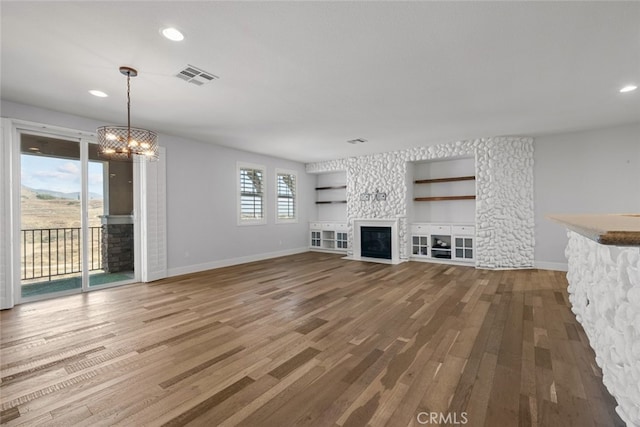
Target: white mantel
[[376, 222]]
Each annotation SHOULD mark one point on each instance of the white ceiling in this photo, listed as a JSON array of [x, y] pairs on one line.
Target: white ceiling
[[299, 79]]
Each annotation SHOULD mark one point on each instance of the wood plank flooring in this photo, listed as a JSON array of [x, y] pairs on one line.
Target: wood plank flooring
[[306, 340]]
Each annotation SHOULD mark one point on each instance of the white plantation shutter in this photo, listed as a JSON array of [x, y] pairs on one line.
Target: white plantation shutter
[[251, 194], [6, 289], [153, 218], [286, 196]]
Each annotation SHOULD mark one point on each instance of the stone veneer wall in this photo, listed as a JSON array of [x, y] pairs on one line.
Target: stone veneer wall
[[604, 290], [504, 193], [117, 247]]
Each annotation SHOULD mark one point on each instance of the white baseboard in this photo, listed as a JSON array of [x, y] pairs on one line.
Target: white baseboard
[[557, 266], [178, 271]]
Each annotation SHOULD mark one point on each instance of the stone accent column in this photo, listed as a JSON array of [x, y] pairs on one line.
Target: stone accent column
[[117, 243]]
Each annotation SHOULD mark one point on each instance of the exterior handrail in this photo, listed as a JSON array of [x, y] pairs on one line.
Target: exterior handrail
[[51, 252]]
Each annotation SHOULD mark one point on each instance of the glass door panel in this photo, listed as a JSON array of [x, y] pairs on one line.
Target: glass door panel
[[51, 227], [110, 206]]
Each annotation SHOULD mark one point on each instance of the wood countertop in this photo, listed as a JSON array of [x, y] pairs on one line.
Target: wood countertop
[[607, 229]]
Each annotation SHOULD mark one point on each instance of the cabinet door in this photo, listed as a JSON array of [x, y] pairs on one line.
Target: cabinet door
[[463, 248], [315, 239], [463, 230], [341, 240], [440, 229], [420, 229], [420, 245]]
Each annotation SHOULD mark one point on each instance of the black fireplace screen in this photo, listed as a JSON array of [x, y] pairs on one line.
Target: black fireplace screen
[[375, 242]]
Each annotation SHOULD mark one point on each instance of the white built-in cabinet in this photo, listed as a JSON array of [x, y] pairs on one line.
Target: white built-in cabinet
[[443, 242], [328, 236]]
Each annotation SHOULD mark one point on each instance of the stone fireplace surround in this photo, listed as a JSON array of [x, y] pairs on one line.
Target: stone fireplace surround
[[504, 216]]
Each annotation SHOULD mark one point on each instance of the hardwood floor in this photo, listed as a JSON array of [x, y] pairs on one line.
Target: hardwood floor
[[308, 339]]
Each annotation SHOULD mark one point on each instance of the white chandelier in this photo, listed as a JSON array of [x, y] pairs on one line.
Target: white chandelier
[[124, 142]]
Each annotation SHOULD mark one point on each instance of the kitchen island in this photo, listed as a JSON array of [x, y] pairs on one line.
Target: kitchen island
[[604, 290]]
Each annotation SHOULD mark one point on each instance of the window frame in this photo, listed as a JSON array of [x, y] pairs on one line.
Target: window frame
[[293, 220], [240, 166]]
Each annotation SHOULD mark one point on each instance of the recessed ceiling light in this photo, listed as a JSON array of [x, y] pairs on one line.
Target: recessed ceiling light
[[173, 34], [98, 93], [628, 88]]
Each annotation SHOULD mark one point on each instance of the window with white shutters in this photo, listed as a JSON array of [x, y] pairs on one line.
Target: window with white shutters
[[286, 202], [251, 194]]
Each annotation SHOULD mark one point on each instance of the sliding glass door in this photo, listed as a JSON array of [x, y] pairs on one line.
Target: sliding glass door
[[76, 222]]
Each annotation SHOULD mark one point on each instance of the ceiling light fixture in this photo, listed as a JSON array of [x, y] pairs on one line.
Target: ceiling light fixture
[[628, 88], [173, 34], [125, 142], [98, 93]]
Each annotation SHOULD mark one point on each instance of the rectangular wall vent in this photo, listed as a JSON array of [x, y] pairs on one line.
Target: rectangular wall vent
[[196, 75]]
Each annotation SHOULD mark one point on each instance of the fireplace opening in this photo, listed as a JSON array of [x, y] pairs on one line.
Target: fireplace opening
[[375, 242]]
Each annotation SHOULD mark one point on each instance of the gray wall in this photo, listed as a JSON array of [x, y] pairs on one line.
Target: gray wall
[[201, 199], [595, 171], [202, 207]]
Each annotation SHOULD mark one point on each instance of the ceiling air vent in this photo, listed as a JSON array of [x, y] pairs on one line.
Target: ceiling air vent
[[196, 75]]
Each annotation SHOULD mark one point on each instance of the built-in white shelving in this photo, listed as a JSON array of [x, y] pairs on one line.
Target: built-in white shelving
[[443, 242], [328, 236]]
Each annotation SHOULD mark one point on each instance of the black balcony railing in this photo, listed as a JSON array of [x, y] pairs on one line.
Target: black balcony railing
[[51, 252]]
